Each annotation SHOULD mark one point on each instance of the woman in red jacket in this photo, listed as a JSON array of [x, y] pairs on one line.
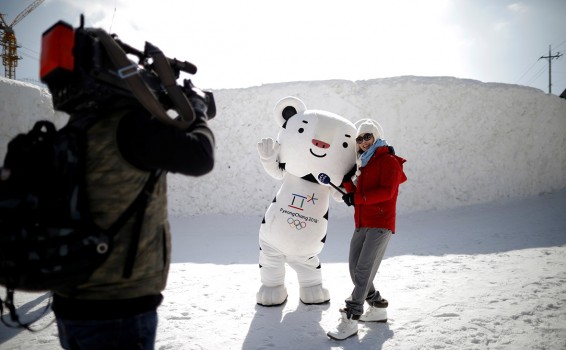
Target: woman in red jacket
[[373, 193]]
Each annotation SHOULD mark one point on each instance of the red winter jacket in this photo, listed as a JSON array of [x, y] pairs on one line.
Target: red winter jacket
[[376, 191]]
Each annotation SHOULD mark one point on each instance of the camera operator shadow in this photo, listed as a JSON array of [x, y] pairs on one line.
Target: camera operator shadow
[[32, 310]]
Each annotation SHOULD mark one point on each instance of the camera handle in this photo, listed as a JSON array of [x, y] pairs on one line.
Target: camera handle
[[128, 72]]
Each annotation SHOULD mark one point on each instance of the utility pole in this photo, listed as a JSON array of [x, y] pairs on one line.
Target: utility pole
[[550, 57]]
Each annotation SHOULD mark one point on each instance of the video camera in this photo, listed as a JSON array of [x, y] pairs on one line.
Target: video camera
[[86, 69]]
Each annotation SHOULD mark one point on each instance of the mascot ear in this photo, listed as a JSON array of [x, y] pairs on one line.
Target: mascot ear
[[287, 107]]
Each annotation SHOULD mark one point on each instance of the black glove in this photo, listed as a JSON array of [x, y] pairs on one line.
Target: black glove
[[202, 101], [200, 107], [349, 199]]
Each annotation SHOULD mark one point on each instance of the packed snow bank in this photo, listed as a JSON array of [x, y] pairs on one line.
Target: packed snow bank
[[466, 142]]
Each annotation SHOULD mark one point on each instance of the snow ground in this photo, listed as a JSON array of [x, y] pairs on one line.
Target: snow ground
[[487, 276]]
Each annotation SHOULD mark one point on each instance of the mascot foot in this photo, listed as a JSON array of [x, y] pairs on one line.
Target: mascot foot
[[314, 295], [271, 296]]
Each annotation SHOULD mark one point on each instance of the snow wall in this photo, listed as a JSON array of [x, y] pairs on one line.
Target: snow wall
[[466, 142]]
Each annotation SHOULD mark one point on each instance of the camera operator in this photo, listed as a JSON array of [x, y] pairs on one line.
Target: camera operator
[[124, 146]]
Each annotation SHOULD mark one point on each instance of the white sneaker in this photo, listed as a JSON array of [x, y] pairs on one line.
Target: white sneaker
[[374, 314], [345, 329]]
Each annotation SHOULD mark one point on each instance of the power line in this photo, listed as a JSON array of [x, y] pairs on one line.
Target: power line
[[536, 76], [559, 37], [558, 46], [27, 48], [527, 71], [35, 58]]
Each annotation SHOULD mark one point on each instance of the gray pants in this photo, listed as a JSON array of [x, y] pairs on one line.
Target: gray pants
[[367, 248]]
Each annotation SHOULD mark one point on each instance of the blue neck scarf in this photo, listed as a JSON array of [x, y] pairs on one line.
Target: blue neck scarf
[[366, 156]]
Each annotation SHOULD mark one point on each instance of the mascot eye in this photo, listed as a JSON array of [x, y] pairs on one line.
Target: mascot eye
[[345, 145], [301, 130]]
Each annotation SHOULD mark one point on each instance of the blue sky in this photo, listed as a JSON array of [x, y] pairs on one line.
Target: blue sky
[[238, 44]]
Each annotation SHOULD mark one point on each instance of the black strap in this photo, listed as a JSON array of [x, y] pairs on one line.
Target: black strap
[[139, 205]]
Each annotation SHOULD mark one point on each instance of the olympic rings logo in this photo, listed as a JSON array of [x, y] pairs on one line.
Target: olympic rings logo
[[299, 225]]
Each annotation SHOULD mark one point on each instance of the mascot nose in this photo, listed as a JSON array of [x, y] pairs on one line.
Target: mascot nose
[[320, 144]]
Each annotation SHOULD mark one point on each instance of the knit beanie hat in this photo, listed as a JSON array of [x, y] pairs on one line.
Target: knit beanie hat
[[366, 126], [370, 126]]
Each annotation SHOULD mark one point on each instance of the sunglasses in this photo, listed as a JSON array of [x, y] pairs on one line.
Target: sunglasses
[[365, 137]]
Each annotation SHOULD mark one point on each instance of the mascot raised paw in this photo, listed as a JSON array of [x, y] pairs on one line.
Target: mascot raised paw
[[314, 150]]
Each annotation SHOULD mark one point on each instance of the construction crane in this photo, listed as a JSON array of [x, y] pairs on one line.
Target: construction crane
[[9, 43]]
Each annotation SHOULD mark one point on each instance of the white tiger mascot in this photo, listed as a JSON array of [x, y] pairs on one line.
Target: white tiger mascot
[[313, 152]]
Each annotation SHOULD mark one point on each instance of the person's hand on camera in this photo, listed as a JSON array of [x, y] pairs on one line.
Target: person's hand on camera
[[349, 199], [268, 149], [202, 101], [199, 106]]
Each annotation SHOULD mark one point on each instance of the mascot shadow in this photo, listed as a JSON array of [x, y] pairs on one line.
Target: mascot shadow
[[301, 328], [297, 329]]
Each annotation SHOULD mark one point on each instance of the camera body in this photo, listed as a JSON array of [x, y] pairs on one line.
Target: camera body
[[81, 76]]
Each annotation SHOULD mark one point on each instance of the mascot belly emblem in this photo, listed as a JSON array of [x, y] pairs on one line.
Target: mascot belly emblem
[[293, 231]]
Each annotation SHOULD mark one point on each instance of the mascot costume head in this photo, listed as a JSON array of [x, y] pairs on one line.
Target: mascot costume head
[[313, 152], [313, 141]]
